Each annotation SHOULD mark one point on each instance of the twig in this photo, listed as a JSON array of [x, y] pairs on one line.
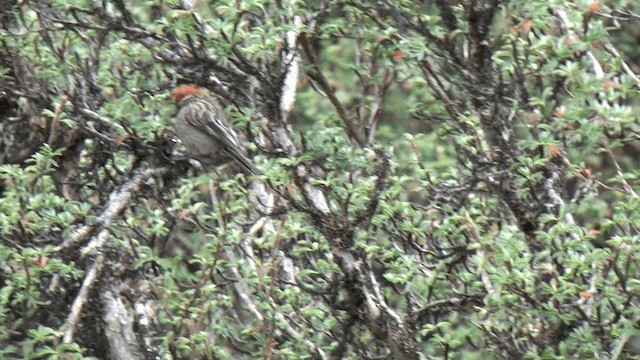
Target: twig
[[624, 182], [55, 123], [627, 69], [328, 89], [617, 350]]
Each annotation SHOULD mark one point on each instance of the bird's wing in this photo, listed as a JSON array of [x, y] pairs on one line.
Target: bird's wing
[[219, 129]]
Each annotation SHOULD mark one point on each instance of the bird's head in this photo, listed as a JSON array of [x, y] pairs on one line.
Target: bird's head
[[186, 91]]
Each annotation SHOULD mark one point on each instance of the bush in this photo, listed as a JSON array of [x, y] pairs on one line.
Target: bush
[[440, 180]]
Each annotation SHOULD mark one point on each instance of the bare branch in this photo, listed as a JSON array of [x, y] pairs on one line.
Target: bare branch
[[119, 327], [291, 62], [81, 299]]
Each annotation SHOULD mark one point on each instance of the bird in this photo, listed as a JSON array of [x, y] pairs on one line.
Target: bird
[[202, 127]]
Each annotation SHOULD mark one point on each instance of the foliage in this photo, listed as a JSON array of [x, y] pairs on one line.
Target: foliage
[[456, 179]]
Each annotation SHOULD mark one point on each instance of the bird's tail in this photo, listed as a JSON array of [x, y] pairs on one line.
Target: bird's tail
[[245, 163]]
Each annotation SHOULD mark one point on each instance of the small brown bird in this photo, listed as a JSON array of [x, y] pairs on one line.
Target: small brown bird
[[204, 131]]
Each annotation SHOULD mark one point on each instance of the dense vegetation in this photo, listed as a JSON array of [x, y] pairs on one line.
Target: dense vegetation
[[442, 179]]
